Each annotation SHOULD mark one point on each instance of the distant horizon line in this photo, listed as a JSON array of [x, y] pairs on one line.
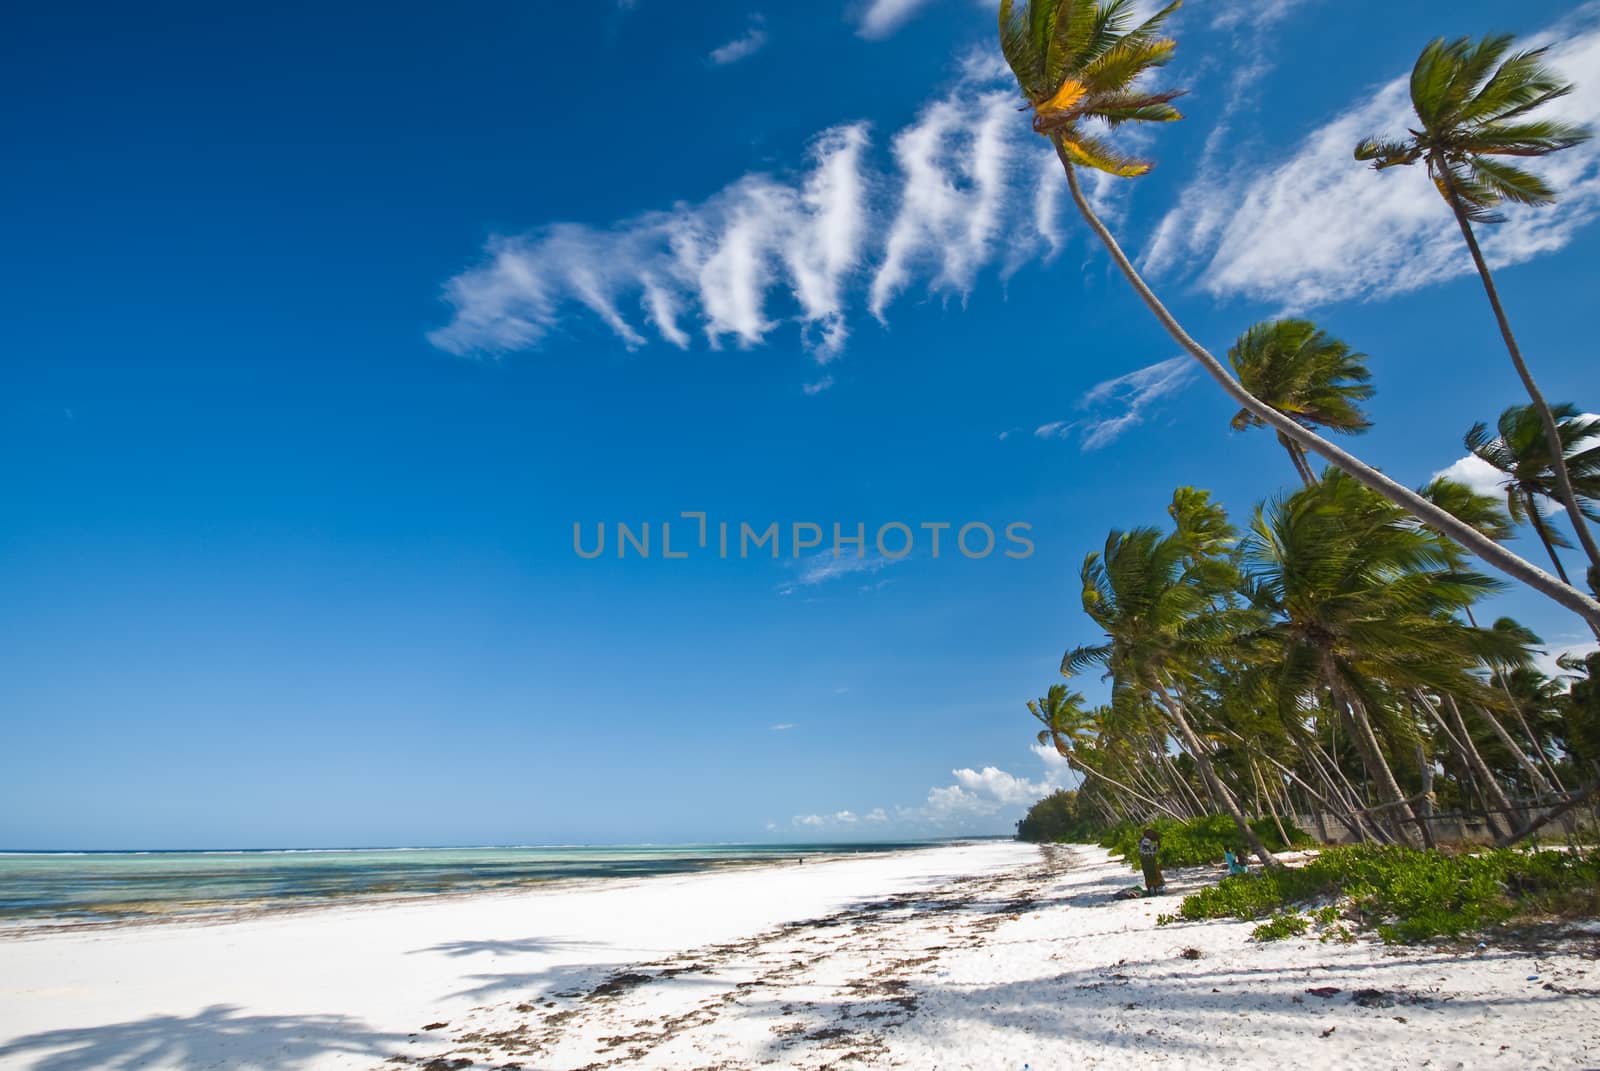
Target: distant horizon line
[[908, 841]]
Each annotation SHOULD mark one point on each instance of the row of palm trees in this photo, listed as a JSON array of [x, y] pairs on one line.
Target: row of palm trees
[[1327, 660], [1080, 62], [1321, 662]]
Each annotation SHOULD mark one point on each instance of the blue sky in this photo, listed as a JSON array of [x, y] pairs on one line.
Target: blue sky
[[321, 330]]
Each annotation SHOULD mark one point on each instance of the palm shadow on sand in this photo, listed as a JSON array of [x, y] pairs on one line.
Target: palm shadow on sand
[[218, 1036]]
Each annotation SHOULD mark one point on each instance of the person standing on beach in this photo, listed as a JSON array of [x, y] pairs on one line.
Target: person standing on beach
[[1149, 851]]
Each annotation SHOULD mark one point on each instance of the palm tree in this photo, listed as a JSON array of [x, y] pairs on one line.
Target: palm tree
[[1521, 454], [1164, 617], [1473, 110], [1307, 375], [1079, 62], [1068, 727], [1363, 604]]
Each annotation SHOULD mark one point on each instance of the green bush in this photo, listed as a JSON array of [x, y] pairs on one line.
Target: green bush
[[1407, 895], [1199, 841], [1060, 817], [1281, 927]]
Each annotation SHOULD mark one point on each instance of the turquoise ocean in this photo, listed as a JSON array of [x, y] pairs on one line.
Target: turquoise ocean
[[65, 887]]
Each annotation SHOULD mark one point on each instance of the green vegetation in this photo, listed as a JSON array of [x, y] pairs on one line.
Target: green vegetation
[[1405, 895], [1059, 819], [1281, 927], [1197, 841]]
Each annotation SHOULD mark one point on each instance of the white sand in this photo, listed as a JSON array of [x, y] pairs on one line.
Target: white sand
[[977, 956]]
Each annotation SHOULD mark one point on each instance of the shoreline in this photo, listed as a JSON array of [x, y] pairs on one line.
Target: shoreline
[[978, 956]]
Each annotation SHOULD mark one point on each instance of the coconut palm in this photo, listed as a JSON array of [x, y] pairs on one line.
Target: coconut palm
[[1474, 107], [1079, 64], [1071, 729], [1164, 619], [1363, 605], [1307, 375], [1521, 454]]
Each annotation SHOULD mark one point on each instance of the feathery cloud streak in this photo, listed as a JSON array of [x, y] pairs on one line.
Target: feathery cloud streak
[[1115, 405], [766, 250], [1320, 227]]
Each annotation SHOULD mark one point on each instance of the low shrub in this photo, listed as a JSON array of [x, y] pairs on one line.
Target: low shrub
[[1281, 927], [1406, 895], [1199, 841]]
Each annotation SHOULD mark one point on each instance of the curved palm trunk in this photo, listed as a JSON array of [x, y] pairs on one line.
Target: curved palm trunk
[[1219, 791], [1532, 507], [1464, 534], [1552, 433], [1366, 741], [1084, 767]]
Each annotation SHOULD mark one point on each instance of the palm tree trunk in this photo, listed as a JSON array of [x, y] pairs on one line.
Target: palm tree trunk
[[1537, 521], [1536, 776], [1464, 534], [1141, 797], [1219, 791], [1297, 458], [1266, 798], [1366, 741], [1552, 433]]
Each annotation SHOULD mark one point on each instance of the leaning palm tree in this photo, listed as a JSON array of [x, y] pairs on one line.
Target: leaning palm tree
[[1307, 375], [1070, 729], [1474, 110], [1362, 604], [1079, 63], [1521, 454], [1164, 615]]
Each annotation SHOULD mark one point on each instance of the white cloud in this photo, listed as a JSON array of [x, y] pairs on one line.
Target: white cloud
[[825, 566], [1546, 659], [1485, 479], [1321, 227], [881, 18], [953, 160], [1004, 788], [977, 800], [723, 256], [767, 250], [781, 727], [1476, 473], [747, 44], [1115, 405]]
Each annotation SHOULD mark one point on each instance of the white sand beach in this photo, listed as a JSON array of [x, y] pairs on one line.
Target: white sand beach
[[989, 955]]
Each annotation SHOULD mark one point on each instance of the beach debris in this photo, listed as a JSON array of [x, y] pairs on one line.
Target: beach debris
[[1374, 998], [1325, 991], [1328, 1032], [1191, 953], [436, 1026], [1533, 977]]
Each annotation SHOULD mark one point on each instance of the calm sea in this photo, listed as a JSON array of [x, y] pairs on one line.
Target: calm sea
[[104, 886]]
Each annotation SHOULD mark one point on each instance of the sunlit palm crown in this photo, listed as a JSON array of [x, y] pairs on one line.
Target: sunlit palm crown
[[1345, 575], [1472, 108], [1079, 60], [1519, 452], [1304, 373]]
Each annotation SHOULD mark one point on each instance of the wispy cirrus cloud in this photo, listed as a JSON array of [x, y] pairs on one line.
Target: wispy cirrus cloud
[[881, 18], [1113, 406], [1319, 227], [826, 566], [747, 44], [767, 250]]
